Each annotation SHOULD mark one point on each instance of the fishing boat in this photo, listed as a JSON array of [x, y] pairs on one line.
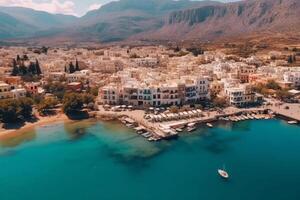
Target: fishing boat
[[209, 125]]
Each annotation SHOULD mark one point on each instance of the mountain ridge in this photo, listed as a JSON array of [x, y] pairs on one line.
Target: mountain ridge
[[146, 20]]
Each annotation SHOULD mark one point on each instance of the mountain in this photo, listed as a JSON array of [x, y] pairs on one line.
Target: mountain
[[154, 20], [120, 19], [11, 27], [231, 19], [24, 22]]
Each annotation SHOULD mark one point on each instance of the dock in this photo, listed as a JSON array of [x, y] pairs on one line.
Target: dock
[[289, 111]]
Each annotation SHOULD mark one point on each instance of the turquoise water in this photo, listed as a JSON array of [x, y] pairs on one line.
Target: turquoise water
[[94, 160]]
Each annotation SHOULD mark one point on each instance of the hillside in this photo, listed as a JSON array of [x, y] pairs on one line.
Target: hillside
[[154, 20], [24, 22], [120, 19], [232, 19]]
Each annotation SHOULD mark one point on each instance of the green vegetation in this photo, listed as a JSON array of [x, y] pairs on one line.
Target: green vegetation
[[74, 102], [291, 59], [30, 73], [46, 106], [272, 88], [195, 51], [273, 85], [14, 110], [58, 89], [71, 68], [19, 68], [220, 102]]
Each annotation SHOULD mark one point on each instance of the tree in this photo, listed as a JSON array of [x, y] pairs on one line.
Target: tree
[[13, 110], [15, 70], [72, 102], [71, 68], [220, 102], [31, 68], [273, 85], [77, 66], [177, 49], [56, 88], [45, 106], [8, 111], [25, 57], [283, 95], [37, 67], [22, 69], [25, 105], [291, 59], [93, 90], [18, 58], [88, 98], [44, 50]]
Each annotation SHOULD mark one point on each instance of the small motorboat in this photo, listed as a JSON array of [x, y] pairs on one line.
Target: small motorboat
[[292, 122], [223, 173], [191, 129], [179, 129], [209, 125]]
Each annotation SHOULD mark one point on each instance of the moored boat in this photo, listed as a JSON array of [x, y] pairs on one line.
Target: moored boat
[[292, 122], [209, 125], [191, 129], [223, 173]]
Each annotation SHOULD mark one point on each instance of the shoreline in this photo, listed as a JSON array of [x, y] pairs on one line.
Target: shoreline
[[28, 125], [136, 115]]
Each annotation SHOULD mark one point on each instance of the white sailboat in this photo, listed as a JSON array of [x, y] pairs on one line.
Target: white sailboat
[[223, 173]]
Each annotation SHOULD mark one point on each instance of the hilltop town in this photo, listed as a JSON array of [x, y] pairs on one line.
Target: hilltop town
[[39, 82]]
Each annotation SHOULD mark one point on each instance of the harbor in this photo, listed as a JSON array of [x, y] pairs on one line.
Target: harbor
[[158, 124]]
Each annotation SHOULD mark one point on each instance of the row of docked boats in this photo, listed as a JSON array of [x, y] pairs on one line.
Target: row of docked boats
[[140, 130], [249, 116], [192, 126]]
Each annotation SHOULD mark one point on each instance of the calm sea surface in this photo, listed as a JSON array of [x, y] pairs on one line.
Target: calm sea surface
[[95, 160]]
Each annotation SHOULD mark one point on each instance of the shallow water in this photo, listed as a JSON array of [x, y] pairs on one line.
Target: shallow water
[[95, 160]]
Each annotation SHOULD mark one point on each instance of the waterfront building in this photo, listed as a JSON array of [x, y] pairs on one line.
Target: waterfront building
[[293, 78], [240, 95], [175, 92]]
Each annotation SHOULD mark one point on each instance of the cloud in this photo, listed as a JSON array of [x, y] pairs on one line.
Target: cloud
[[94, 6], [53, 6]]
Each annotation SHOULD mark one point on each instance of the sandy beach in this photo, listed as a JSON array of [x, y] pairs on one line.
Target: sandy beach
[[28, 125]]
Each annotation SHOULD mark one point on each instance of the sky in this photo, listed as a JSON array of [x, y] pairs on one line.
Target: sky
[[70, 7]]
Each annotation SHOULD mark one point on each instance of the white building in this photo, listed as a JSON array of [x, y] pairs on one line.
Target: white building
[[77, 77], [147, 62], [5, 92], [240, 95], [18, 93], [292, 77], [160, 94]]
